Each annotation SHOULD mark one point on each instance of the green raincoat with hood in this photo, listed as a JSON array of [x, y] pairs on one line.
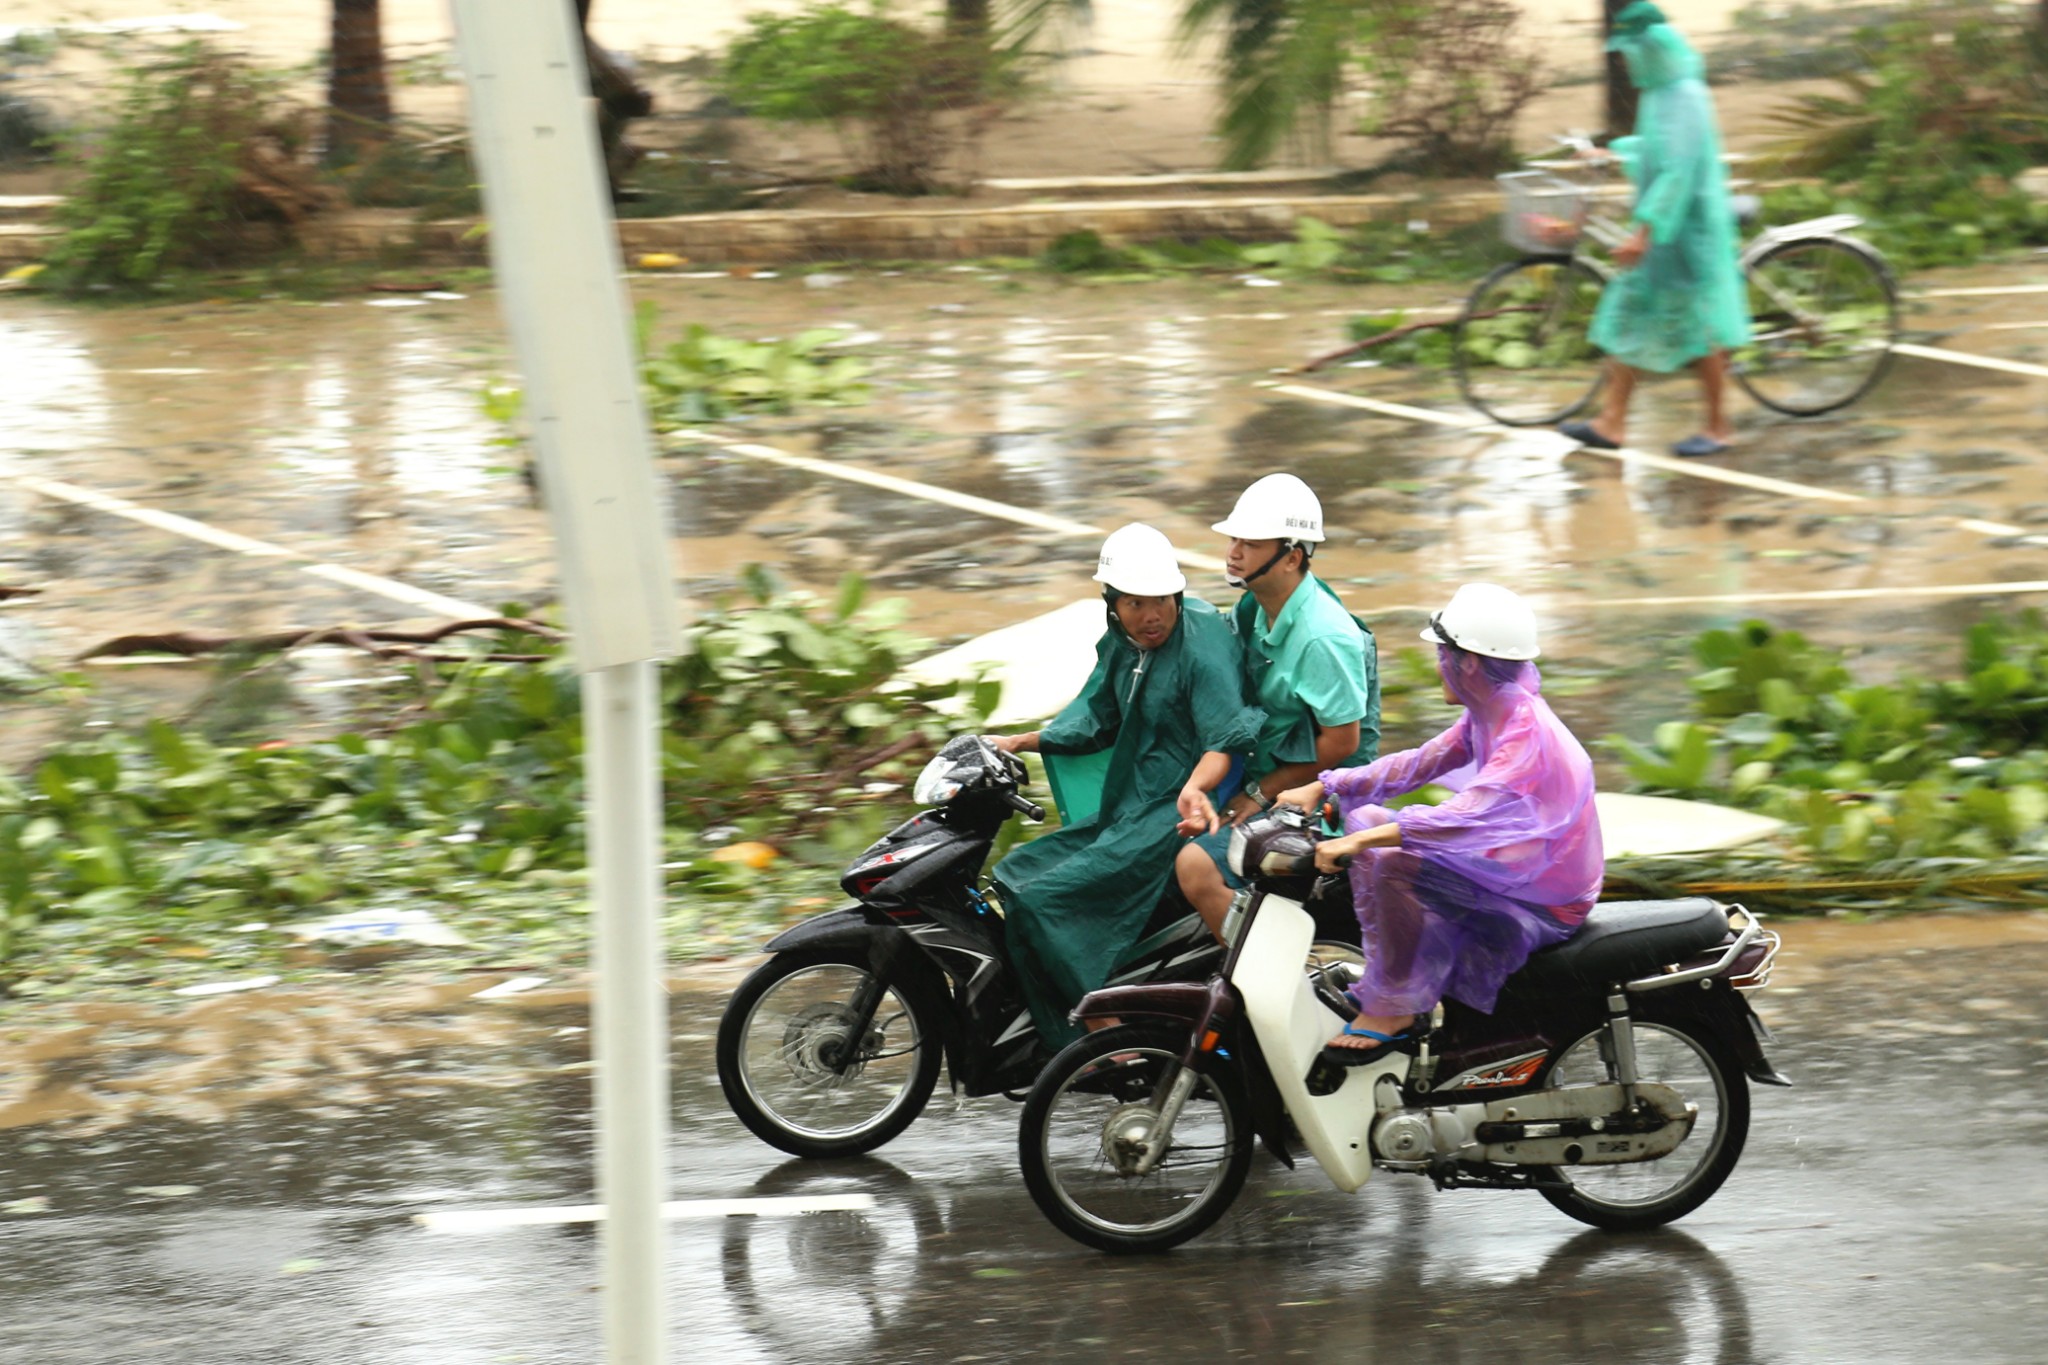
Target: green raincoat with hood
[[1686, 298], [1076, 900]]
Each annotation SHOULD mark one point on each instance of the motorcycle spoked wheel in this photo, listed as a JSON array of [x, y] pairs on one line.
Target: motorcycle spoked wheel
[[1648, 1194], [783, 1063], [1109, 1080]]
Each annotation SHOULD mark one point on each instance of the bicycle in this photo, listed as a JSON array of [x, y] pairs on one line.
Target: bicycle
[[1824, 309]]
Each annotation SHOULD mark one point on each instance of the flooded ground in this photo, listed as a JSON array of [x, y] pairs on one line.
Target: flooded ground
[[351, 435], [245, 1191]]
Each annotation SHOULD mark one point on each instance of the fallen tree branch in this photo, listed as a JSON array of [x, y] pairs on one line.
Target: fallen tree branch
[[384, 644], [866, 761], [1408, 329]]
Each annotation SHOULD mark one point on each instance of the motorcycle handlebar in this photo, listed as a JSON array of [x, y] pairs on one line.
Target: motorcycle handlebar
[[1024, 806]]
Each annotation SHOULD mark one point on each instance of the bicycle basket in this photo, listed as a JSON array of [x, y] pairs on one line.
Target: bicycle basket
[[1544, 213]]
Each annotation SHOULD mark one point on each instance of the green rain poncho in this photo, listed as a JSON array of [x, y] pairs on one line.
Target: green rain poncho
[[1686, 299], [1075, 901]]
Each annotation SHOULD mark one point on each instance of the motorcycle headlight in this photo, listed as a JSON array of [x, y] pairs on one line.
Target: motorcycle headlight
[[939, 783], [1238, 840]]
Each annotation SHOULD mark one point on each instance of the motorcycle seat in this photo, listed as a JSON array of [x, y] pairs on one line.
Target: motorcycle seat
[[1621, 940]]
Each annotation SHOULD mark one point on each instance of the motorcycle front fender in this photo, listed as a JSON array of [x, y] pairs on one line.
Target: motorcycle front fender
[[837, 927], [1182, 1002]]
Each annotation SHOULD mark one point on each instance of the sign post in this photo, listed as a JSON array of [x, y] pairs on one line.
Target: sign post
[[555, 249]]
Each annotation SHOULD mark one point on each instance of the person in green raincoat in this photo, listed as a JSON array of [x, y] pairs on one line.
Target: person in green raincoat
[[1165, 706], [1311, 666], [1679, 300]]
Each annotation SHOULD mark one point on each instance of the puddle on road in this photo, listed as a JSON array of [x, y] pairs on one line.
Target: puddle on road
[[356, 435]]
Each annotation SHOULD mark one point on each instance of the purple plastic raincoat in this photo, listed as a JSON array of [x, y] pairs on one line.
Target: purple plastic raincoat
[[1510, 864]]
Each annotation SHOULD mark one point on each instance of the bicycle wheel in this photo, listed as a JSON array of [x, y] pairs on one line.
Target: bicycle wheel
[[1523, 357], [1823, 319]]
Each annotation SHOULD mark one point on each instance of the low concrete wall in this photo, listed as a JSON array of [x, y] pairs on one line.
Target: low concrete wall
[[798, 236], [804, 235]]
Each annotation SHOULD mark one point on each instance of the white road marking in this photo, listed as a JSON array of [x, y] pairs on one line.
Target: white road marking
[[1672, 464], [1991, 292], [387, 588], [945, 497], [492, 1220], [1981, 362], [1401, 410], [2037, 585]]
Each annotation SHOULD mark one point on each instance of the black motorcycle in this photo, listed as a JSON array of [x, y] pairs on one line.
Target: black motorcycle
[[832, 1047]]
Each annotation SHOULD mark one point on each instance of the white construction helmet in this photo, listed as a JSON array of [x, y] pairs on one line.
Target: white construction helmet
[[1485, 618], [1139, 560], [1277, 507]]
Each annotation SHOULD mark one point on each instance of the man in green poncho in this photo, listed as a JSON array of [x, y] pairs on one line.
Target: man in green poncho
[[1165, 708], [1680, 299]]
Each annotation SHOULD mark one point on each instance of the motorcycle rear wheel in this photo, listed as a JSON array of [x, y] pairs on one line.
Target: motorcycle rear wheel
[[1648, 1194], [1117, 1071], [780, 1045]]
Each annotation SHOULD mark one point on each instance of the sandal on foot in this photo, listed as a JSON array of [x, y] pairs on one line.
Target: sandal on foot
[[1585, 435], [1365, 1056], [1693, 447]]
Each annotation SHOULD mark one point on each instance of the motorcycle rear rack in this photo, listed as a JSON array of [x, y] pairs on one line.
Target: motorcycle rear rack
[[1751, 934]]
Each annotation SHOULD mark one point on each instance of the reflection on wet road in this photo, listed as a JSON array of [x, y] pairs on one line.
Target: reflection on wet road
[[356, 434], [240, 1185]]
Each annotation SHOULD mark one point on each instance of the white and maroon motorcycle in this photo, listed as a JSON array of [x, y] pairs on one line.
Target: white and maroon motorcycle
[[1611, 1078]]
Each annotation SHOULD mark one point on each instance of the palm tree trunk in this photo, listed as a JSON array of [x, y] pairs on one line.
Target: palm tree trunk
[[358, 98], [971, 16], [1621, 91]]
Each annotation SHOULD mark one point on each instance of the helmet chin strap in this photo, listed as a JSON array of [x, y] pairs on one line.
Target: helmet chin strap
[[1264, 568]]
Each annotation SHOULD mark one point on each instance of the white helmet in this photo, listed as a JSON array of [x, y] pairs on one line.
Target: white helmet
[[1140, 561], [1277, 507], [1485, 618]]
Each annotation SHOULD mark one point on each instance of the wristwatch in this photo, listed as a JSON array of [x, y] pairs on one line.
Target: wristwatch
[[1251, 789]]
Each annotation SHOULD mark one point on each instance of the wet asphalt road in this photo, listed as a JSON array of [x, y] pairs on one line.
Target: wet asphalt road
[[1889, 1208]]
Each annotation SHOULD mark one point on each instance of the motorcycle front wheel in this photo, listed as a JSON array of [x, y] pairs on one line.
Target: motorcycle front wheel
[[796, 1074], [1648, 1194], [1090, 1110]]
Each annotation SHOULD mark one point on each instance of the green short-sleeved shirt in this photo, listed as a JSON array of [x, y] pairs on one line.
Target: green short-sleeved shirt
[[1313, 666]]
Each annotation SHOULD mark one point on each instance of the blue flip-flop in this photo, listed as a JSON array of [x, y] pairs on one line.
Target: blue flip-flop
[[1362, 1056], [1583, 433], [1694, 447]]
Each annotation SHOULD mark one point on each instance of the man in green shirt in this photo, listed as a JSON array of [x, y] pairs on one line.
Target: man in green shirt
[[1309, 664]]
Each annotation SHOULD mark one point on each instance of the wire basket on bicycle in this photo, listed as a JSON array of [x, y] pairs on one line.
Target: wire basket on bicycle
[[1545, 214]]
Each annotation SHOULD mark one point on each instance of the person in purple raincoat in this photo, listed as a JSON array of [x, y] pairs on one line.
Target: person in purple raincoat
[[1453, 898]]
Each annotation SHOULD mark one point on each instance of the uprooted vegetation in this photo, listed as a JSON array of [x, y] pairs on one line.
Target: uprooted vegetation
[[1911, 787], [785, 748], [204, 164]]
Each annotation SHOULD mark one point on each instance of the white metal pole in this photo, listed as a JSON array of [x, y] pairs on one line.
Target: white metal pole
[[630, 1008], [555, 248]]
